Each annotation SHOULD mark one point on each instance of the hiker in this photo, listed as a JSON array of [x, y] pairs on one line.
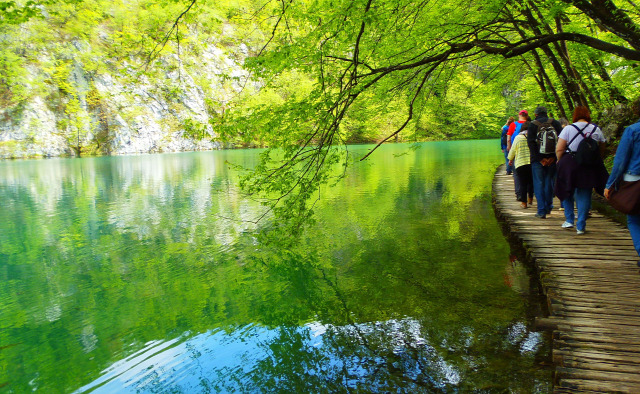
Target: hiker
[[543, 158], [563, 122], [503, 143], [514, 130], [520, 157], [579, 171], [626, 167]]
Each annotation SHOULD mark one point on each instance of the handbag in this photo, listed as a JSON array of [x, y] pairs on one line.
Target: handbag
[[626, 197]]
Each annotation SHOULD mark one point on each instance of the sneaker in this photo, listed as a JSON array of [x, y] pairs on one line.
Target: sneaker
[[580, 232], [523, 205], [541, 215], [567, 225]]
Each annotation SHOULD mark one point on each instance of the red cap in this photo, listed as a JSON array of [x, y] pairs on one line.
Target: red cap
[[523, 112]]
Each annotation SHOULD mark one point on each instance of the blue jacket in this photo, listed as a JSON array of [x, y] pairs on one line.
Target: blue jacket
[[627, 158]]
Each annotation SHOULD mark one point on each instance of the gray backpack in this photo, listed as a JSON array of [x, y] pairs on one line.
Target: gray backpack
[[547, 136]]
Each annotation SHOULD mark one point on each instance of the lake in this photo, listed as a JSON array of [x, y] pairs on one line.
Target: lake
[[149, 274]]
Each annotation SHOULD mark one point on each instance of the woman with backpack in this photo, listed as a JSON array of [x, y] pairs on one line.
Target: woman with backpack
[[580, 167]]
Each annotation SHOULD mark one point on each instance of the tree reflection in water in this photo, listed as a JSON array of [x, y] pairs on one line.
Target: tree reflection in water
[[122, 274], [373, 357]]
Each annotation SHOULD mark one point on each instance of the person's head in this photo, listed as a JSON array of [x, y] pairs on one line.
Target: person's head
[[581, 112], [540, 111], [522, 115], [510, 120], [563, 122]]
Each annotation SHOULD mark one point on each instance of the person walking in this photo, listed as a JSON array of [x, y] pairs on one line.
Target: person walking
[[626, 167], [578, 174], [543, 165], [514, 130], [520, 157], [503, 143]]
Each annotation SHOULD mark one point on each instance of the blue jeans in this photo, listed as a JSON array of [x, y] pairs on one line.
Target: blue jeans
[[543, 179], [633, 222], [582, 198]]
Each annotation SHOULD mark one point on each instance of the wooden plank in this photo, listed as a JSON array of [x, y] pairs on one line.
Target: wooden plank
[[599, 337], [597, 365], [591, 287], [595, 304], [567, 310], [567, 294], [587, 253], [597, 386], [632, 379], [633, 350], [558, 271]]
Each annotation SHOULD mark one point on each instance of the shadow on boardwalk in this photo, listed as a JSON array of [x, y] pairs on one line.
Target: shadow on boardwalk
[[592, 288]]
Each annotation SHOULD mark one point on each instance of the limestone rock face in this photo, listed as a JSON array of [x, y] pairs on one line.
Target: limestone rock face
[[614, 120], [124, 111], [32, 134]]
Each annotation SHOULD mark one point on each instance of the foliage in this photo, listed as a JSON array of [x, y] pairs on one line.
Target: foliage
[[415, 71]]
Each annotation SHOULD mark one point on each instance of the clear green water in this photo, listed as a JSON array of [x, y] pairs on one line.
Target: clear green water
[[137, 274]]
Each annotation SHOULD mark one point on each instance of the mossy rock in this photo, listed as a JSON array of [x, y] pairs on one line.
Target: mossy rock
[[614, 120]]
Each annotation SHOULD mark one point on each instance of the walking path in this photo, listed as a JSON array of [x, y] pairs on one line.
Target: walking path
[[592, 286]]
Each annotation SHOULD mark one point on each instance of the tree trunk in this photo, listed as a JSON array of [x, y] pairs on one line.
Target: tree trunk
[[614, 92], [562, 49], [571, 90], [543, 74], [605, 13]]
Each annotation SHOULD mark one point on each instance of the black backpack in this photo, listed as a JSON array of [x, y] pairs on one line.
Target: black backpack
[[547, 136], [503, 139], [588, 152]]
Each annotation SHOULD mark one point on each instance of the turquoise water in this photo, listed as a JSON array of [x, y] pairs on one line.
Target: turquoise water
[[147, 274]]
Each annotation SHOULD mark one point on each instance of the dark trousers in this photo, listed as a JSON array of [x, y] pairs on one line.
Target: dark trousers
[[525, 182]]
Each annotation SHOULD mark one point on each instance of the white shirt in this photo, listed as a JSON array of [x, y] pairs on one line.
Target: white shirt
[[569, 132]]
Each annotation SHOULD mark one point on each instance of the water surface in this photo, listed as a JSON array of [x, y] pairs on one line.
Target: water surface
[[145, 274]]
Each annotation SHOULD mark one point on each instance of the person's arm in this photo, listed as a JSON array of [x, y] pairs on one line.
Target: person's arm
[[621, 159], [512, 153], [561, 147]]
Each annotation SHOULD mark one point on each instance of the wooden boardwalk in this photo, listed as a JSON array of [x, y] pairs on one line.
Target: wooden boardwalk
[[592, 286]]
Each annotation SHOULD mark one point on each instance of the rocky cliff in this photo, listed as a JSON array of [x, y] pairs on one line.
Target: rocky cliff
[[121, 109]]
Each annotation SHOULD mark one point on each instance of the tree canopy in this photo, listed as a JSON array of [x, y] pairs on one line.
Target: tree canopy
[[373, 58]]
